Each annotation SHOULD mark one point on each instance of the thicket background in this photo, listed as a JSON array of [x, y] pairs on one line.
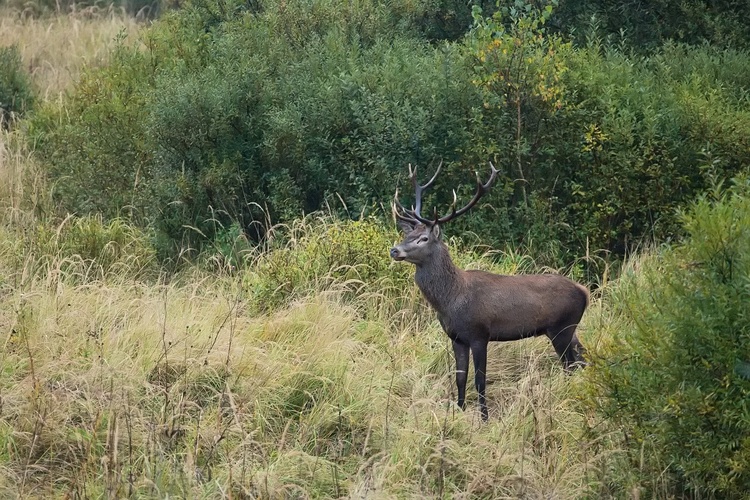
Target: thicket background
[[234, 112], [195, 223]]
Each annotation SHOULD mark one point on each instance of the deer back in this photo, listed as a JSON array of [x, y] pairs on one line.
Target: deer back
[[510, 307]]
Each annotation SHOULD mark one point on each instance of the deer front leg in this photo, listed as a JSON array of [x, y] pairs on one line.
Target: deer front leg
[[479, 351], [461, 353]]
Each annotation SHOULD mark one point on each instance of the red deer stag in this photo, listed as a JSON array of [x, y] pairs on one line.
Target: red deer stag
[[475, 307]]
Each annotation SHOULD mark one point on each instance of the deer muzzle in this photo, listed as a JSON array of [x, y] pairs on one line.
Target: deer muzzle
[[397, 254]]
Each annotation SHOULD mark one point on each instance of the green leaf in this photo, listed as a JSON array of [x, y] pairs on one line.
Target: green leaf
[[742, 368]]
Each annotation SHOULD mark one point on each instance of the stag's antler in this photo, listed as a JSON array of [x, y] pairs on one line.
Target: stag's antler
[[414, 214]]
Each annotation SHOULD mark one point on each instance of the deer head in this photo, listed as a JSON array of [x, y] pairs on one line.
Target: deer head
[[420, 233]]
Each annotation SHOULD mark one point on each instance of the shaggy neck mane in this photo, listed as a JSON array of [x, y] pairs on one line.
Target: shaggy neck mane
[[439, 279]]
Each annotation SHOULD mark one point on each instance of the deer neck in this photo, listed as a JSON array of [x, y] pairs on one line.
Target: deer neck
[[439, 280]]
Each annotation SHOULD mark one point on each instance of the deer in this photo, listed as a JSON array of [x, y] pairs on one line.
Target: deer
[[475, 307]]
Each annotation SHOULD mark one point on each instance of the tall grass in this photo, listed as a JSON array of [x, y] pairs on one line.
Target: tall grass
[[117, 387], [22, 186], [308, 368], [56, 49]]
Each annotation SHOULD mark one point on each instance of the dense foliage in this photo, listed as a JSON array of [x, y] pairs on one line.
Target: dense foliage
[[316, 252], [279, 112], [676, 378], [647, 25], [643, 26], [16, 89], [237, 113]]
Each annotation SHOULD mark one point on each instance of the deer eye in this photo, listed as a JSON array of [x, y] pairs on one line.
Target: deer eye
[[423, 239]]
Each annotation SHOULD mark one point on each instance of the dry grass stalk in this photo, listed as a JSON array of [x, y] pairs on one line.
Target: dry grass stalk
[[56, 49]]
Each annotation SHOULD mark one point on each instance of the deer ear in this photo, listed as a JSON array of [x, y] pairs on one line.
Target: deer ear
[[435, 231], [405, 226]]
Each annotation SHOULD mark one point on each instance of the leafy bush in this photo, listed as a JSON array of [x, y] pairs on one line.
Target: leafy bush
[[645, 27], [518, 71], [647, 128], [275, 112], [675, 376], [317, 253], [16, 91], [95, 144], [606, 145], [239, 112]]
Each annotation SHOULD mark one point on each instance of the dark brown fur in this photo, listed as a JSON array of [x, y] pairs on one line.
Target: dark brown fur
[[475, 307]]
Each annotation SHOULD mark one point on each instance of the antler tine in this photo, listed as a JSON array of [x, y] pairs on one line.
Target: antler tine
[[407, 215], [417, 207], [437, 171], [418, 190], [399, 211], [481, 190], [415, 213]]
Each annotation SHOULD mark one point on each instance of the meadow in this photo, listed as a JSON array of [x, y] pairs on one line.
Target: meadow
[[119, 382], [306, 366]]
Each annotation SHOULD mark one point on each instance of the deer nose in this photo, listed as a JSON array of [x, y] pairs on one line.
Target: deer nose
[[397, 254]]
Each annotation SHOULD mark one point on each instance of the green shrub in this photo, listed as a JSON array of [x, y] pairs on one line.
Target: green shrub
[[16, 91], [241, 112], [235, 115], [518, 69], [598, 147], [675, 375], [95, 146], [318, 253], [645, 128], [645, 27]]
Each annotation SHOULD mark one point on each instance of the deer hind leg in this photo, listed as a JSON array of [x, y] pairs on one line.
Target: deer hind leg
[[568, 347], [479, 351], [461, 353]]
